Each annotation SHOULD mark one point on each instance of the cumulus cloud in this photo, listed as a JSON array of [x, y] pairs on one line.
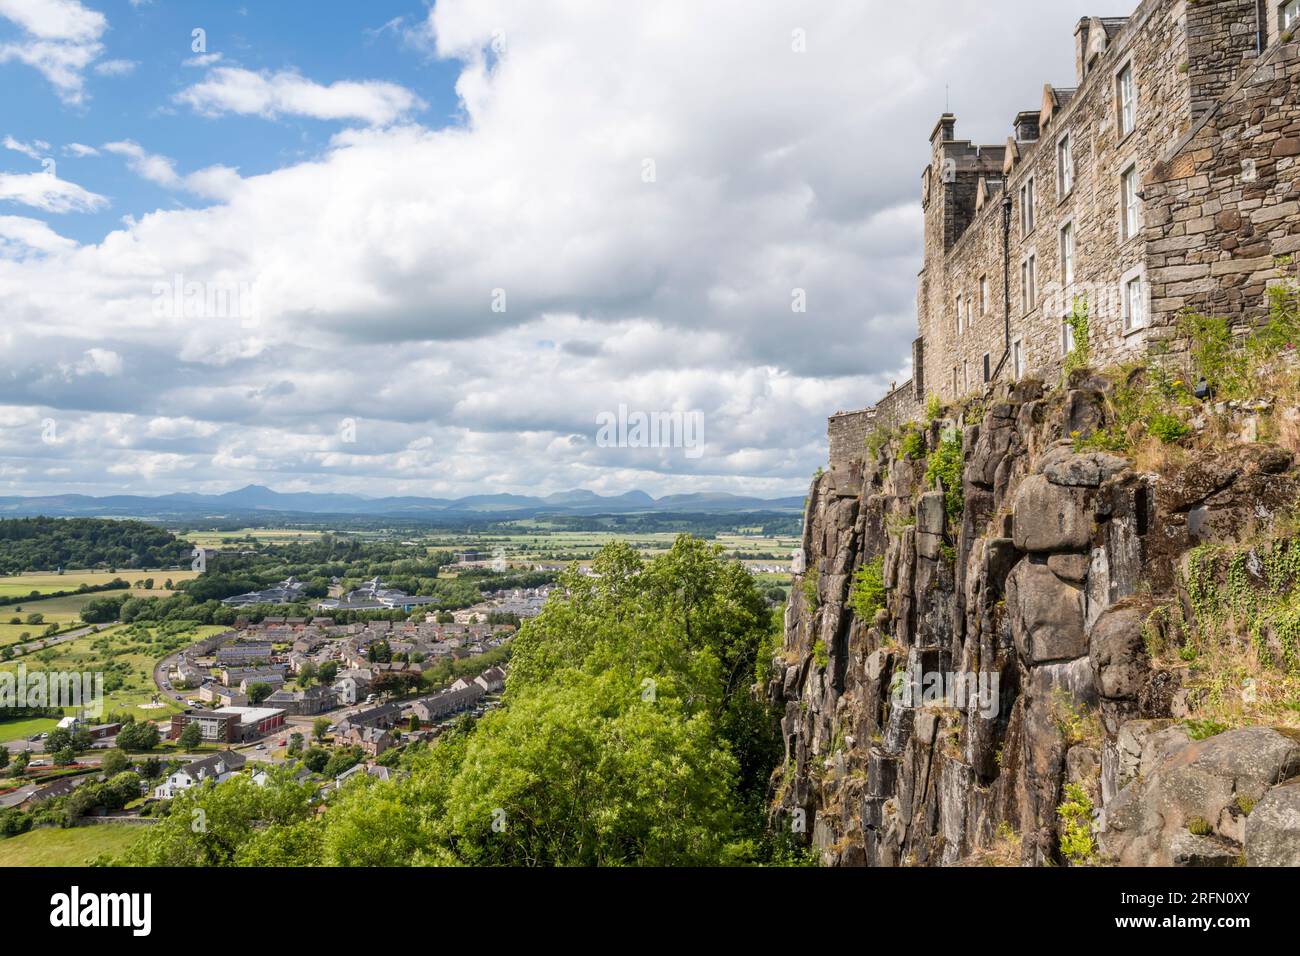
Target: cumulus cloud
[[215, 182], [46, 191], [60, 39], [20, 237], [623, 214], [231, 89]]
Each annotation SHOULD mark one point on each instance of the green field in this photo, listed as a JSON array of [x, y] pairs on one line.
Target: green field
[[26, 728], [62, 611], [46, 583], [237, 539], [76, 846], [125, 656]]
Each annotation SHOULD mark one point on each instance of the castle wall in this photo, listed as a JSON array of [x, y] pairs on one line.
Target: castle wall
[[1185, 59], [1226, 199]]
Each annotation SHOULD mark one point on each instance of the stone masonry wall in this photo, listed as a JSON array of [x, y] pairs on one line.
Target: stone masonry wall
[[1225, 200], [1185, 57]]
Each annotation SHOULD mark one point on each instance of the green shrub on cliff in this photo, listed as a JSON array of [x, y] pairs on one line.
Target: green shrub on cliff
[[867, 594], [944, 470], [912, 445], [1081, 354], [1076, 843]]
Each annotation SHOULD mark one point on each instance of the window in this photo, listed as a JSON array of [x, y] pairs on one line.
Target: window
[[959, 315], [984, 290], [988, 368], [965, 375], [1067, 336], [1067, 254], [1128, 191], [955, 393], [1127, 101], [1027, 207], [1290, 15], [1135, 306], [1029, 283], [969, 326], [1065, 164], [1017, 359]]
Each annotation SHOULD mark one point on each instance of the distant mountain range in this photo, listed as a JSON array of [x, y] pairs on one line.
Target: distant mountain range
[[257, 498]]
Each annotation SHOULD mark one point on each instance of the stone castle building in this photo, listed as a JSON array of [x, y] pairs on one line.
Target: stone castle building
[[1165, 177]]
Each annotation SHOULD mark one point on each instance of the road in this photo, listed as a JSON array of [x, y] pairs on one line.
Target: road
[[31, 647]]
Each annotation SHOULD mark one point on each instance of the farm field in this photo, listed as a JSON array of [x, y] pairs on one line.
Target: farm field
[[62, 611], [233, 539], [75, 846], [126, 655], [26, 728], [20, 585]]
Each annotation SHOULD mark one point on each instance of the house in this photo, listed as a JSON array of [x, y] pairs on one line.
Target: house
[[492, 680], [313, 700], [381, 715], [273, 681], [352, 686], [218, 767], [244, 652], [371, 739], [270, 673], [450, 701]]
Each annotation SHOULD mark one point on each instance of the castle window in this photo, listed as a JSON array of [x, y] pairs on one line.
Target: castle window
[[1017, 359], [1067, 336], [988, 367], [955, 393], [965, 375], [984, 292], [959, 327], [1133, 287], [1127, 93], [1129, 202], [1027, 207], [1290, 15], [1067, 254], [1065, 163], [1029, 283]]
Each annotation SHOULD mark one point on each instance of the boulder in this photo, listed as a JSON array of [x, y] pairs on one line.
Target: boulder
[[1198, 781], [1273, 827], [1061, 466], [1046, 614], [1118, 652], [1051, 517]]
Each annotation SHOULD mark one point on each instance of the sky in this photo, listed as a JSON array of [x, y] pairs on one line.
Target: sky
[[428, 249]]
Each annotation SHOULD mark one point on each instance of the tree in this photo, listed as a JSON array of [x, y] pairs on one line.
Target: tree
[[4, 757], [414, 725], [295, 744], [328, 672], [138, 735], [307, 673], [191, 736], [64, 757], [315, 759], [258, 692], [21, 761], [320, 727], [114, 762], [60, 738]]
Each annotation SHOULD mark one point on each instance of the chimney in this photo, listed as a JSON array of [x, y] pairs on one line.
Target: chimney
[[1026, 126], [1081, 50], [945, 131]]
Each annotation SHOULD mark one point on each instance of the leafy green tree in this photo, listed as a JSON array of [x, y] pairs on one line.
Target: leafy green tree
[[4, 757], [328, 672], [320, 727], [258, 692], [295, 744], [191, 736], [210, 825], [115, 761], [138, 735]]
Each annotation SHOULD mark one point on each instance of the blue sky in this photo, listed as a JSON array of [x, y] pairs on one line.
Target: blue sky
[[426, 249], [329, 40]]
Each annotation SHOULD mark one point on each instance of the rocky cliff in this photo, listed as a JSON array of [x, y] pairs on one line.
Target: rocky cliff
[[1002, 647]]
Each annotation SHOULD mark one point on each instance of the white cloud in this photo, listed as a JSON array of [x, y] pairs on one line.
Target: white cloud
[[115, 67], [215, 182], [46, 191], [37, 149], [61, 38], [235, 90], [79, 150], [375, 262], [20, 236]]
